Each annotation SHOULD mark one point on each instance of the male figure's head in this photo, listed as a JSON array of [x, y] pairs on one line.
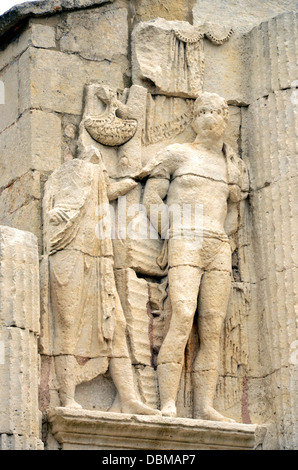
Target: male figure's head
[[211, 114]]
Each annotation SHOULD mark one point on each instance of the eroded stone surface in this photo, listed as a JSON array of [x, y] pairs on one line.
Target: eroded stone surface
[[48, 7], [144, 433], [19, 329], [61, 70]]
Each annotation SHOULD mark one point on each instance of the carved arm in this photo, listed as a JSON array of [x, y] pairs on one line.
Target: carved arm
[[156, 190], [120, 188]]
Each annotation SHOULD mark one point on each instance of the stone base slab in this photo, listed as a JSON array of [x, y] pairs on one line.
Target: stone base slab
[[97, 430]]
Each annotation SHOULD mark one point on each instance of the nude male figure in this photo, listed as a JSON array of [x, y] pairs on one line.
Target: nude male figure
[[199, 260]]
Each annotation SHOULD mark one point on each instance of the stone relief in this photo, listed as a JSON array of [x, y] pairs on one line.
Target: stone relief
[[178, 50], [86, 321], [103, 84], [133, 304], [166, 117], [115, 120], [109, 129], [198, 250]]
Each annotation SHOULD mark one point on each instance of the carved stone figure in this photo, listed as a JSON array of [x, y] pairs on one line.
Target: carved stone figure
[[86, 324], [204, 174]]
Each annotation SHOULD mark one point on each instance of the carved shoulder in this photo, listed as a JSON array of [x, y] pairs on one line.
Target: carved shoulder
[[167, 161]]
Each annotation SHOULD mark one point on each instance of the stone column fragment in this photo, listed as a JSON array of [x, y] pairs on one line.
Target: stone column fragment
[[270, 151], [19, 329]]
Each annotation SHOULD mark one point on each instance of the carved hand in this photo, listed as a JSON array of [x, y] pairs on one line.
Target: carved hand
[[58, 215], [121, 188]]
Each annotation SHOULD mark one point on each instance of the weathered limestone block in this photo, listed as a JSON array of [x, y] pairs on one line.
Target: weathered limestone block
[[26, 217], [226, 69], [16, 442], [19, 383], [273, 55], [21, 192], [269, 138], [25, 144], [283, 389], [19, 280], [10, 108], [2, 92], [20, 203], [64, 92], [100, 34], [241, 14], [36, 35], [19, 329], [150, 9], [42, 35], [45, 8]]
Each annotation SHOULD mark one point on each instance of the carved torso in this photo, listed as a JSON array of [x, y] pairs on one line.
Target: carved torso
[[79, 188], [197, 178]]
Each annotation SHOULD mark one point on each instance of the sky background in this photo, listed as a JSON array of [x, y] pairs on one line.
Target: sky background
[[7, 4]]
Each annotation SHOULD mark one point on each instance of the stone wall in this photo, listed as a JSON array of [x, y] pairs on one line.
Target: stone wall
[[40, 119], [45, 65]]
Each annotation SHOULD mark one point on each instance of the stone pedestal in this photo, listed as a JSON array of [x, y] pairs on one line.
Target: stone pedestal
[[96, 430]]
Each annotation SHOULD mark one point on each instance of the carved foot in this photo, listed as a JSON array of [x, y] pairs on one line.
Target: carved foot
[[70, 403], [138, 408], [169, 409], [210, 414]]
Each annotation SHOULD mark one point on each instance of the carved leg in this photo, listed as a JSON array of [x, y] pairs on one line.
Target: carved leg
[[121, 372], [213, 301], [204, 383], [66, 373], [168, 380], [184, 282]]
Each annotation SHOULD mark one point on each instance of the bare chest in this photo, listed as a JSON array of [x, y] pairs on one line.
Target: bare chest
[[201, 163]]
